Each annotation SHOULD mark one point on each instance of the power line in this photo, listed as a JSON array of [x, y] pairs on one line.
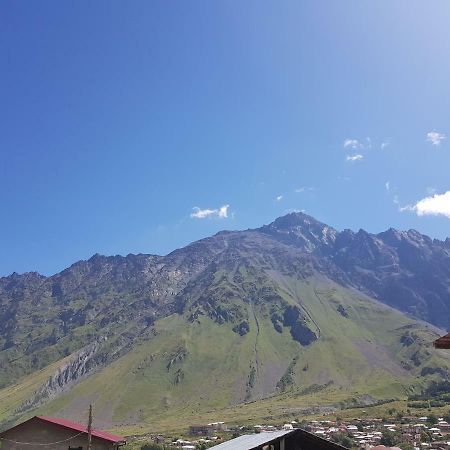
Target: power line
[[38, 443]]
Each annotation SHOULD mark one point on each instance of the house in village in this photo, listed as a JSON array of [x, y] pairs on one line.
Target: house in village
[[51, 433], [207, 430], [296, 439], [443, 342], [201, 430]]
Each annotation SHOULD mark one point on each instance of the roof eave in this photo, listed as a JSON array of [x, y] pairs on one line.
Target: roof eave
[[443, 342], [274, 440]]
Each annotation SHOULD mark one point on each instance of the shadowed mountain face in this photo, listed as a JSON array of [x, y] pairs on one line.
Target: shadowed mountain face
[[251, 309], [404, 269]]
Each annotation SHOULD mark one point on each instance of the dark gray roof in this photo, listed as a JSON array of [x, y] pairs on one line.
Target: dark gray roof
[[249, 441]]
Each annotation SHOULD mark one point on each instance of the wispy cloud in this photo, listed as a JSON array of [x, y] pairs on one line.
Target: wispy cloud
[[352, 143], [302, 189], [293, 210], [385, 144], [221, 213], [391, 192], [435, 205], [435, 138], [356, 144], [353, 158], [279, 198]]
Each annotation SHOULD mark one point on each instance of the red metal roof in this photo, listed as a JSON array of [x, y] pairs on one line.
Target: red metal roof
[[83, 428], [443, 342]]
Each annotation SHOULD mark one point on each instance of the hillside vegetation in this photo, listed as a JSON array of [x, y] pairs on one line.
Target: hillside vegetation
[[289, 318]]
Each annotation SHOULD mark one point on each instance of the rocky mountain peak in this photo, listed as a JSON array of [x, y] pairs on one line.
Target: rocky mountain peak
[[25, 275], [295, 220], [392, 237], [303, 231]]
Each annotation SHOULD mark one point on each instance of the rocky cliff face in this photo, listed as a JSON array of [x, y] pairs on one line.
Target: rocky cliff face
[[304, 232], [69, 373], [404, 269]]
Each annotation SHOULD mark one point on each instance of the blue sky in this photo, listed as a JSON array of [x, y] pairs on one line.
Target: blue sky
[[129, 126]]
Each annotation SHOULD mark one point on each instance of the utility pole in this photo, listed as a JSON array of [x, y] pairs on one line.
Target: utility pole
[[89, 429]]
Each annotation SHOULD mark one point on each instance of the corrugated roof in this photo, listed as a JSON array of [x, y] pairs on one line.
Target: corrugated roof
[[251, 441], [83, 428]]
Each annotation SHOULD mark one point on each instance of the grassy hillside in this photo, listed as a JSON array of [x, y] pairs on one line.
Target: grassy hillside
[[203, 364]]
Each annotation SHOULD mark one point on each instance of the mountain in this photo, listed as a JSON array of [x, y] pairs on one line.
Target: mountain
[[287, 316], [404, 269]]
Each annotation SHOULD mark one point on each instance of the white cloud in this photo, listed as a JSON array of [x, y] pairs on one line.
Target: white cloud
[[354, 157], [293, 210], [221, 213], [391, 192], [355, 144], [303, 189], [435, 205], [279, 197], [435, 138], [385, 144], [352, 143]]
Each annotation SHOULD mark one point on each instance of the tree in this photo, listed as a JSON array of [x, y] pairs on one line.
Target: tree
[[447, 416], [426, 436], [406, 446], [343, 439], [347, 442], [432, 419], [389, 439]]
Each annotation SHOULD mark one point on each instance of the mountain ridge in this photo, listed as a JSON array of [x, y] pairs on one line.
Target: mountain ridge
[[278, 295], [396, 232]]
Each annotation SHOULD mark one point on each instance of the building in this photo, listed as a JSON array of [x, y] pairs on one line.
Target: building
[[201, 430], [219, 426], [443, 342], [51, 433], [382, 447], [296, 439]]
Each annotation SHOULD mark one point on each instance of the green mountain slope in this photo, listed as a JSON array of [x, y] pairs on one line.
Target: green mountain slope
[[196, 366], [288, 316]]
